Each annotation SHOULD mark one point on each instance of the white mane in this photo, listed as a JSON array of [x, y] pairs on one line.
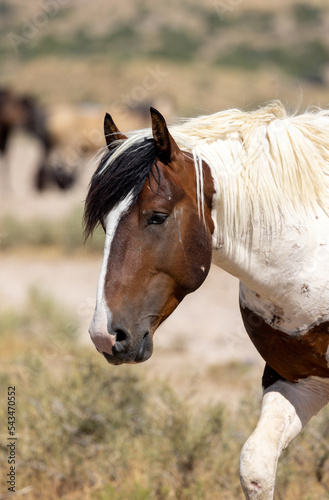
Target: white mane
[[265, 164]]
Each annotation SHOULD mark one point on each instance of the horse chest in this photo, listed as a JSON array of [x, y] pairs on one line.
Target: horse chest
[[292, 356]]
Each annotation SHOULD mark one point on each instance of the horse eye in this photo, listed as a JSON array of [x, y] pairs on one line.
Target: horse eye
[[157, 218]]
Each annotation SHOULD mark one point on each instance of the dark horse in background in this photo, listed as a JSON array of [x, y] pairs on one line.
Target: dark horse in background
[[22, 111]]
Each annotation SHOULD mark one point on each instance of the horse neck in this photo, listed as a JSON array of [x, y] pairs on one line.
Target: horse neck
[[44, 137], [265, 255], [35, 122], [252, 245]]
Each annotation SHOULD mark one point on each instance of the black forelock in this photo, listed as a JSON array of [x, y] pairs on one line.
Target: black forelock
[[111, 184]]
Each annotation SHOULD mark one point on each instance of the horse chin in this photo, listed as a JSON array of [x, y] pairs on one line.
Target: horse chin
[[112, 359], [145, 350]]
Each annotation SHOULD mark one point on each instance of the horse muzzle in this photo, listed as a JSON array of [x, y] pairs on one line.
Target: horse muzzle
[[122, 347], [126, 351], [121, 353]]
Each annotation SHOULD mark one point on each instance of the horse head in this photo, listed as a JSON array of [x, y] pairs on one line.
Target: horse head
[[158, 244]]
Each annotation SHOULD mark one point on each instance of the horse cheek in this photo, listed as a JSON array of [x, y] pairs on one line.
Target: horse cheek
[[195, 258]]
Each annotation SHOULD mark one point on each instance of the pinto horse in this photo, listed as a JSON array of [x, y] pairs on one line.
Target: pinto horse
[[250, 193]]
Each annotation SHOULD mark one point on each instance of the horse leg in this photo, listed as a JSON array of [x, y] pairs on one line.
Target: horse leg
[[286, 408]]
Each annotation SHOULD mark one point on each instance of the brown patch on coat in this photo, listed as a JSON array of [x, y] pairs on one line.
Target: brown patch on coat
[[292, 356]]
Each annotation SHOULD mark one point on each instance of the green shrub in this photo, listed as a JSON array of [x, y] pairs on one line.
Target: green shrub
[[305, 61], [177, 45], [306, 14]]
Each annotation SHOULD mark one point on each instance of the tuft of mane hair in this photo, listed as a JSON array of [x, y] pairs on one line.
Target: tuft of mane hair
[[265, 165], [110, 185]]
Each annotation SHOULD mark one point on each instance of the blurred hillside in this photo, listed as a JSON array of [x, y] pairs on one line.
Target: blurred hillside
[[199, 57]]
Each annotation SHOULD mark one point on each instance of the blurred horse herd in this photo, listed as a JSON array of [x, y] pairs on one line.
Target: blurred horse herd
[[67, 137], [22, 112]]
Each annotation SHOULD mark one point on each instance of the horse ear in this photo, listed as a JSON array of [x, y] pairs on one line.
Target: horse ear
[[111, 132], [167, 148]]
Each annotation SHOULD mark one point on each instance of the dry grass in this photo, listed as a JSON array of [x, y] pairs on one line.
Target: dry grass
[[90, 431]]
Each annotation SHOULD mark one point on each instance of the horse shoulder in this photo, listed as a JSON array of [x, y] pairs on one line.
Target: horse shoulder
[[294, 355]]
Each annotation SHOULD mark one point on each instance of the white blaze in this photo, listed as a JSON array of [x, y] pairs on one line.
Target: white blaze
[[98, 329]]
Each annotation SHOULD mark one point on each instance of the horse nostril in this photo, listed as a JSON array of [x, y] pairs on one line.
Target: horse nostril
[[122, 341], [121, 335]]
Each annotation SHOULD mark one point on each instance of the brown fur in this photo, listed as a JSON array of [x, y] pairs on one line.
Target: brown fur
[[166, 273], [293, 357]]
